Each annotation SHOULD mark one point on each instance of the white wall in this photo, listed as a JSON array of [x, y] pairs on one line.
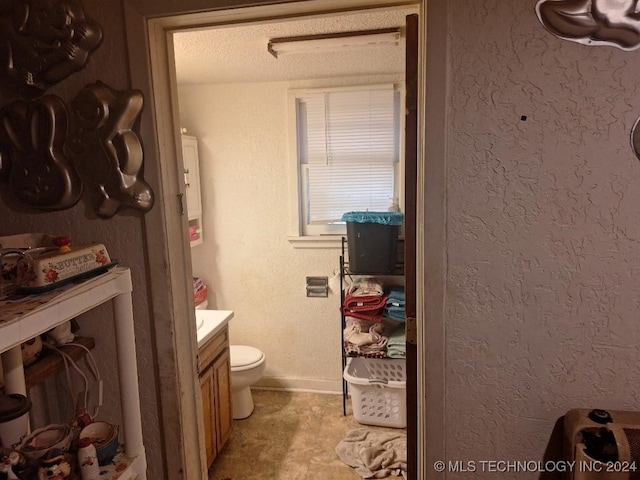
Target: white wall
[[246, 259]]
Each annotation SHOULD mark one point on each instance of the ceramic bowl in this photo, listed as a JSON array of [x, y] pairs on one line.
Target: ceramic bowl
[[35, 445], [104, 436]]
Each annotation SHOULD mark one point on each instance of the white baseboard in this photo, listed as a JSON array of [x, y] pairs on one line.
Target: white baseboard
[[312, 385]]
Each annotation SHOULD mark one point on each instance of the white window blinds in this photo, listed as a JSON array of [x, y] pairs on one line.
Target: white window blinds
[[348, 151]]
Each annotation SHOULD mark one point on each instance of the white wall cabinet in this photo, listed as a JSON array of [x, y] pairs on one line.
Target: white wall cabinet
[[36, 314], [191, 164]]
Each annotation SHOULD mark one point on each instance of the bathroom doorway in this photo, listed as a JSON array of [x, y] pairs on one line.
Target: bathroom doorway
[[251, 258], [166, 130], [232, 97]]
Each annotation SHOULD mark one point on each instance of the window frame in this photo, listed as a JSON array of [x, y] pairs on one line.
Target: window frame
[[332, 236]]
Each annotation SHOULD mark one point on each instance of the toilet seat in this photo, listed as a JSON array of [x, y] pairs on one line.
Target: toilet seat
[[244, 357]]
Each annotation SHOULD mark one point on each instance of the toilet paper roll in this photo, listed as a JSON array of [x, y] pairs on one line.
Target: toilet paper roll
[[334, 283]]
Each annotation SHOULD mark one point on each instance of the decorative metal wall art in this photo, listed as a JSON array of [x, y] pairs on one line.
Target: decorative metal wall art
[[635, 138], [32, 136], [42, 42], [593, 22], [105, 150]]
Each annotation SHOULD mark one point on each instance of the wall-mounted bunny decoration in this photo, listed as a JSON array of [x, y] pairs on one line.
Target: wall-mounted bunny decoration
[[32, 136], [105, 150], [596, 22], [593, 22], [42, 42]]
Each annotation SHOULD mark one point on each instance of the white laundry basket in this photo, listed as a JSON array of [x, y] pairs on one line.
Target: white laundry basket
[[378, 390]]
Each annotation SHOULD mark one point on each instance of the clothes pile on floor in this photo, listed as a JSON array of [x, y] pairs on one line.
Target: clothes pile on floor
[[374, 454], [374, 319]]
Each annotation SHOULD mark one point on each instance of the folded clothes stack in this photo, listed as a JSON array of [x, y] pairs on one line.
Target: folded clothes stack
[[365, 300], [395, 304], [366, 287], [397, 343], [374, 319]]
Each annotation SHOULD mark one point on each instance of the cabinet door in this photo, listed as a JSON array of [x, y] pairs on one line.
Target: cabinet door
[[191, 175], [222, 386], [208, 405]]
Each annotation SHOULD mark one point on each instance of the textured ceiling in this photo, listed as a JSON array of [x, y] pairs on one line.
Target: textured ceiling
[[231, 54]]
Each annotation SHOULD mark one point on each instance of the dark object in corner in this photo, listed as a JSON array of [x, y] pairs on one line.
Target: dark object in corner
[[600, 445], [600, 416]]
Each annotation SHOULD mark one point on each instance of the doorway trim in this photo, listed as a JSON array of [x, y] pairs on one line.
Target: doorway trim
[[183, 451]]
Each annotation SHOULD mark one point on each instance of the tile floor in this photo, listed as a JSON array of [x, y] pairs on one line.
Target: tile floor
[[289, 436]]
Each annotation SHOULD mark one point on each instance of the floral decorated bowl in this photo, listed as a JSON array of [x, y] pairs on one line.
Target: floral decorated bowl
[[35, 445], [104, 436]]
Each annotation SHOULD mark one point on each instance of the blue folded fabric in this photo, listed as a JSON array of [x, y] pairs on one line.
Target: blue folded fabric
[[396, 294], [395, 304]]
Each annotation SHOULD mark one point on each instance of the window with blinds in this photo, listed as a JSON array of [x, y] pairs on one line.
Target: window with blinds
[[348, 152]]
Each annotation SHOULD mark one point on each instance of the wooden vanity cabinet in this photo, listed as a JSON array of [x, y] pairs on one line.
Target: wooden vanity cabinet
[[215, 384]]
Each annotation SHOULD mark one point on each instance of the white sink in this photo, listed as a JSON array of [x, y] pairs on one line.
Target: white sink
[[210, 322]]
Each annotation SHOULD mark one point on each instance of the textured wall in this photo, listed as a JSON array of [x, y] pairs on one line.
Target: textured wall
[[543, 232], [246, 259]]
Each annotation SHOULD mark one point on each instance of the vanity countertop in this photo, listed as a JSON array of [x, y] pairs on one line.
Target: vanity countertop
[[210, 322]]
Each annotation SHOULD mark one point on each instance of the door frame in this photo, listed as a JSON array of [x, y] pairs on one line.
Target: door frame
[[149, 25]]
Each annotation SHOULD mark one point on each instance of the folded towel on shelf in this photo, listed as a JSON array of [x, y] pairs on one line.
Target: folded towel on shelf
[[364, 332], [375, 316], [366, 287], [396, 295], [367, 307], [360, 332], [397, 344], [364, 303], [377, 350], [395, 303]]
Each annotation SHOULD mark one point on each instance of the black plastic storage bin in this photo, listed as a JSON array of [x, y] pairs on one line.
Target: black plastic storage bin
[[372, 241]]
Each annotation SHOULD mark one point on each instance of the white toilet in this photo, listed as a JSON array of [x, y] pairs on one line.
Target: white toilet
[[247, 367]]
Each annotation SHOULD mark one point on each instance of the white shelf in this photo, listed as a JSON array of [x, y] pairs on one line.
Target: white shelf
[[23, 319]]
